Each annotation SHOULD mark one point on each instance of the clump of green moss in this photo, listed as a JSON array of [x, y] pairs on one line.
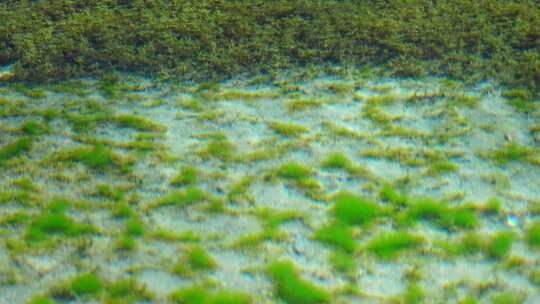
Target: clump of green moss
[[187, 176], [138, 123], [195, 259], [15, 148], [389, 194], [533, 235], [291, 288], [86, 285], [183, 198], [355, 210], [287, 129], [338, 235], [337, 161], [53, 221], [441, 167], [127, 291], [41, 300], [500, 245], [507, 297], [34, 128], [440, 214], [387, 246], [201, 295], [96, 157], [220, 148], [512, 152], [294, 171]]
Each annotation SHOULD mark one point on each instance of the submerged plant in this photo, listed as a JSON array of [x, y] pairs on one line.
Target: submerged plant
[[201, 295], [387, 246], [338, 235], [291, 288], [355, 210], [533, 235], [500, 244], [86, 285], [196, 259], [15, 149], [287, 129]]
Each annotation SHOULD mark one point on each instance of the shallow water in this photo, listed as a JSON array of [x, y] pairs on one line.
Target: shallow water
[[423, 138]]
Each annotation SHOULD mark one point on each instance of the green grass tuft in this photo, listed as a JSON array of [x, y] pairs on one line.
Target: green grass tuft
[[291, 288], [184, 198], [338, 235], [355, 210], [187, 176], [86, 285], [337, 161], [15, 148], [138, 123], [500, 245], [294, 171], [387, 246], [287, 129], [201, 295], [533, 235]]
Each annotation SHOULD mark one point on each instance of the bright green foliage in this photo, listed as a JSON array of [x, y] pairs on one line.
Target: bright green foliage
[[128, 291], [337, 161], [97, 157], [507, 297], [387, 246], [355, 210], [512, 152], [184, 198], [33, 128], [138, 123], [294, 171], [195, 259], [500, 245], [388, 193], [15, 148], [342, 261], [41, 300], [533, 235], [287, 129], [440, 214], [199, 259], [469, 244], [221, 149], [134, 227], [291, 288], [414, 294], [54, 221], [441, 167], [338, 235], [86, 285], [187, 176], [200, 295]]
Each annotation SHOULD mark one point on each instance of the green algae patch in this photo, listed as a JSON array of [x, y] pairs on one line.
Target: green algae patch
[[294, 171], [98, 157], [287, 129], [54, 222], [15, 148], [388, 246], [533, 235], [512, 152], [127, 291], [439, 213], [202, 295], [194, 260], [500, 245], [137, 123], [186, 176], [183, 198], [291, 288], [86, 285], [338, 235], [355, 210]]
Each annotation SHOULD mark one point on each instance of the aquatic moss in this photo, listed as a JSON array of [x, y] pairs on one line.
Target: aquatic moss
[[337, 161], [508, 297], [201, 295], [387, 246], [440, 214], [187, 176], [127, 291], [291, 288], [86, 285], [294, 171], [138, 123], [512, 152], [355, 210], [225, 38], [287, 129], [338, 235], [184, 198], [500, 245], [195, 259], [33, 128], [533, 235], [15, 148], [96, 157]]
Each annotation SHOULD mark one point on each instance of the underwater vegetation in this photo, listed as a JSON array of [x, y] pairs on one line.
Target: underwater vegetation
[[462, 39], [292, 288], [15, 148]]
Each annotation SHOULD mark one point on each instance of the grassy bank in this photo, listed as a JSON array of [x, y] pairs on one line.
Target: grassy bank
[[470, 40]]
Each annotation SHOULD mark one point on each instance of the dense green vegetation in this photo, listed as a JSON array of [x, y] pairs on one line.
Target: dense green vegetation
[[462, 39]]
